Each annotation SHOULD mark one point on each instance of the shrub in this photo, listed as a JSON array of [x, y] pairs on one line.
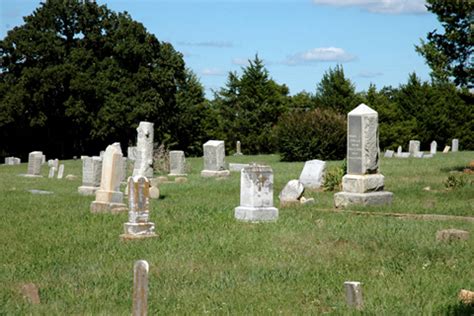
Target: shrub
[[316, 134], [457, 181], [333, 177]]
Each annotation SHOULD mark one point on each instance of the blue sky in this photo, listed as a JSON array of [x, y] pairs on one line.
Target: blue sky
[[297, 39]]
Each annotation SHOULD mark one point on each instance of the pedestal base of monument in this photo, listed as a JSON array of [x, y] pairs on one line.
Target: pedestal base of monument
[[344, 199], [362, 183], [177, 175], [86, 190], [108, 202], [256, 214], [214, 173], [138, 231]]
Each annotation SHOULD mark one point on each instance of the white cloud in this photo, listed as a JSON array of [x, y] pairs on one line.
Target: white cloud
[[218, 44], [380, 6], [369, 74], [321, 54], [212, 72]]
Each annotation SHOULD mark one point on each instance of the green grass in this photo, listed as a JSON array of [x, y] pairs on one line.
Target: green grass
[[205, 262]]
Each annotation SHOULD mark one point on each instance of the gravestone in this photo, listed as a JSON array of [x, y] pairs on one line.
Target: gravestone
[[256, 195], [446, 149], [43, 159], [237, 166], [108, 197], [61, 171], [101, 154], [214, 164], [238, 151], [51, 173], [312, 175], [354, 294], [123, 170], [455, 145], [53, 163], [132, 153], [419, 154], [91, 174], [138, 226], [389, 153], [140, 288], [433, 147], [403, 155], [177, 163], [144, 153], [35, 159], [12, 161], [399, 150], [363, 184], [427, 155], [291, 193], [414, 147]]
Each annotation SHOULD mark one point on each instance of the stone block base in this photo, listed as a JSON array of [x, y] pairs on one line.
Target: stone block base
[[177, 175], [104, 207], [362, 183], [30, 175], [213, 173], [256, 214], [138, 231], [343, 199], [109, 196], [85, 190]]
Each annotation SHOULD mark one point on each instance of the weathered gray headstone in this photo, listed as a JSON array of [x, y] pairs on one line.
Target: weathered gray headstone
[[237, 166], [43, 159], [52, 170], [399, 150], [12, 161], [433, 147], [177, 163], [34, 163], [354, 294], [144, 153], [403, 155], [108, 197], [123, 170], [138, 225], [140, 288], [291, 193], [389, 153], [61, 171], [414, 147], [91, 174], [214, 164], [455, 145], [132, 153], [363, 184], [256, 195], [312, 175]]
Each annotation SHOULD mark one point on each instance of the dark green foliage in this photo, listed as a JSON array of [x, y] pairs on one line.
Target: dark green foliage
[[337, 92], [77, 76], [316, 134], [333, 177], [249, 107], [449, 55]]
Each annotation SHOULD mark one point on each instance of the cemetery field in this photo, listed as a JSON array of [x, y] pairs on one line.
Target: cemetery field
[[206, 262]]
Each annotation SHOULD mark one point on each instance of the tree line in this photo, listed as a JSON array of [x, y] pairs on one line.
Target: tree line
[[77, 76]]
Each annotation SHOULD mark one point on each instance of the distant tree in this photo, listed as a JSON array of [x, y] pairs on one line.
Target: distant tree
[[302, 100], [249, 107], [337, 92], [449, 55], [77, 76]]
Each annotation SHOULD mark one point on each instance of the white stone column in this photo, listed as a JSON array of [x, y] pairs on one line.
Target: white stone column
[[144, 151]]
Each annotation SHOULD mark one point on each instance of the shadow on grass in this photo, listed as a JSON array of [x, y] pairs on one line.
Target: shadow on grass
[[459, 310]]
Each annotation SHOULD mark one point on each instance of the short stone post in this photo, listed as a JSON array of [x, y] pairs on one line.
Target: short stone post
[[138, 226], [354, 294], [140, 288], [238, 150]]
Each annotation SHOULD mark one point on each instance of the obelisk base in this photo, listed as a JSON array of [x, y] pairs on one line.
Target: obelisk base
[[256, 214], [344, 199]]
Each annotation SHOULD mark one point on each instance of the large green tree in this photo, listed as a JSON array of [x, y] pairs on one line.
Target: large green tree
[[249, 106], [76, 76], [450, 54]]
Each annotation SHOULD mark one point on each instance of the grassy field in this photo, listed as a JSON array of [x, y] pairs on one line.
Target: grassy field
[[205, 262]]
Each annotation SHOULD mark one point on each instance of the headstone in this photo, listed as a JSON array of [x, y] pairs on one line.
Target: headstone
[[61, 171], [52, 170], [132, 153], [177, 163], [34, 191], [101, 154], [312, 175], [399, 150], [70, 177], [140, 288], [418, 154], [452, 234], [43, 159], [34, 163], [455, 145], [12, 161], [403, 155], [433, 147], [354, 294], [238, 151], [256, 195], [91, 174], [363, 184], [108, 197], [446, 149], [427, 155], [414, 147], [389, 153], [237, 166], [291, 193], [123, 170], [154, 192], [138, 225], [144, 153], [56, 163], [214, 164]]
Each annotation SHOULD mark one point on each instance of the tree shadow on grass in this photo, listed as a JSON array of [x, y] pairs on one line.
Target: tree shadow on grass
[[459, 310]]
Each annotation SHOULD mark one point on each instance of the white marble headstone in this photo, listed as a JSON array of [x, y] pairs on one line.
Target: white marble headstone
[[312, 175]]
